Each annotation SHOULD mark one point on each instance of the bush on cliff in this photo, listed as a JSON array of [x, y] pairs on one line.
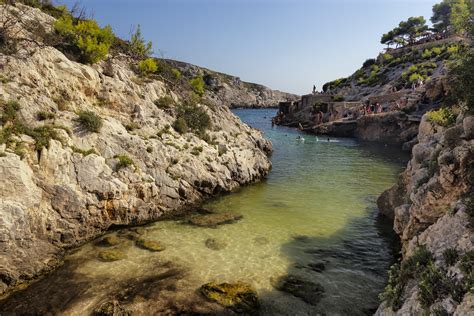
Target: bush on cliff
[[463, 78], [90, 121], [400, 274], [191, 118], [91, 40], [9, 111], [123, 162], [147, 67], [138, 47], [165, 102], [198, 85], [443, 117]]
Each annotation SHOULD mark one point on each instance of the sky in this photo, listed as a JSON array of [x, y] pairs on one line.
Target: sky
[[287, 45]]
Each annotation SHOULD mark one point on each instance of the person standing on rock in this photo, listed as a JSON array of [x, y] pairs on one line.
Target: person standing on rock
[[314, 89]]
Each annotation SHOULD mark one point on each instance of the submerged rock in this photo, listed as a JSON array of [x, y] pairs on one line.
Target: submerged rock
[[111, 255], [214, 219], [215, 244], [108, 241], [316, 266], [240, 296], [308, 291], [110, 308], [131, 234], [261, 241], [149, 245]]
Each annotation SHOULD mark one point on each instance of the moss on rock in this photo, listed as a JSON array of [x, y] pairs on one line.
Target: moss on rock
[[108, 241], [149, 245], [239, 296], [215, 219], [111, 255]]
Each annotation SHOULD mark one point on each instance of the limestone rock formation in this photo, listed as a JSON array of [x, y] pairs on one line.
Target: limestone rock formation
[[432, 207], [223, 89], [134, 170]]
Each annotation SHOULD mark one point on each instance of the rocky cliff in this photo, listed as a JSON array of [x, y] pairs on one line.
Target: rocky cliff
[[405, 82], [432, 206], [84, 148], [230, 90]]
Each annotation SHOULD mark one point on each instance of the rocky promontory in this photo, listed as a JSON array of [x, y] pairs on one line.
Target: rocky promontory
[[384, 100], [231, 91], [85, 147]]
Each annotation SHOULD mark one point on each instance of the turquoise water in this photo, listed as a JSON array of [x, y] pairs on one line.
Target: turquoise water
[[316, 206]]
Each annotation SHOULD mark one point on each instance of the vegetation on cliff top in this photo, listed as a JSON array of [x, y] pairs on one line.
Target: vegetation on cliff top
[[450, 17]]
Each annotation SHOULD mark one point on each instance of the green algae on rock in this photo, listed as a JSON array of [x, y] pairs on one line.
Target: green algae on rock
[[108, 241], [111, 255], [214, 219], [239, 296], [149, 245]]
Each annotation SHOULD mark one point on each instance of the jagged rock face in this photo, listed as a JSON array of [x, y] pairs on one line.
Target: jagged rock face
[[393, 128], [58, 197], [428, 204], [223, 89]]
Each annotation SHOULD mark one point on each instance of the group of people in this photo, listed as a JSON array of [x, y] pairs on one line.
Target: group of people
[[416, 84], [316, 91], [372, 109]]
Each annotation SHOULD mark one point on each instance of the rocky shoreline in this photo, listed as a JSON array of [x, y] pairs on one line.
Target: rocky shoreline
[[64, 183]]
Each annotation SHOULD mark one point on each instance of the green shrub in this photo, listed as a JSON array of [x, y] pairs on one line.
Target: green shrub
[[453, 49], [415, 77], [443, 117], [176, 73], [42, 136], [399, 276], [432, 286], [426, 54], [164, 130], [164, 102], [149, 149], [192, 118], [466, 264], [90, 121], [198, 85], [132, 126], [44, 115], [413, 68], [9, 111], [83, 152], [393, 291], [21, 150], [436, 51], [450, 256], [147, 66], [138, 47], [197, 150], [123, 162], [387, 58], [93, 41], [180, 125]]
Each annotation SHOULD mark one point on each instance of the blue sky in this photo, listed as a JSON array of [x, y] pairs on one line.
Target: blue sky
[[285, 44]]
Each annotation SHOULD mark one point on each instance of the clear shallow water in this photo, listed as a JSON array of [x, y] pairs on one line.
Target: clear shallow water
[[317, 205]]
